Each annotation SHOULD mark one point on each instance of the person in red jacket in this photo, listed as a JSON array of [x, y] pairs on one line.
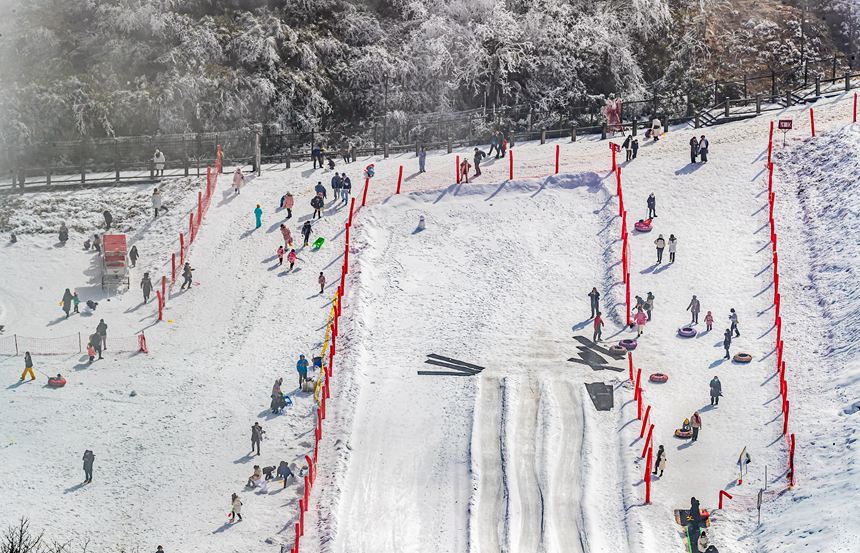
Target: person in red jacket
[[640, 319], [464, 170], [598, 327]]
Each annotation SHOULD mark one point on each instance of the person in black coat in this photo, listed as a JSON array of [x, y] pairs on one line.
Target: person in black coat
[[317, 203], [695, 513], [703, 148], [652, 206], [595, 301], [716, 390], [101, 329], [306, 231], [479, 155], [627, 145], [694, 149], [727, 342], [635, 147], [146, 286], [67, 302], [89, 459]]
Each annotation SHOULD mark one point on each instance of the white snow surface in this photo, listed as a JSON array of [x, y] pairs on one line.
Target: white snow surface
[[513, 459]]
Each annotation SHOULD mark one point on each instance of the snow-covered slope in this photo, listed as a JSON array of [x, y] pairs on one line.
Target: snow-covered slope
[[515, 458]]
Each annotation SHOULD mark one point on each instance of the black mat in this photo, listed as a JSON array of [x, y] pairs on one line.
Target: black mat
[[601, 395]]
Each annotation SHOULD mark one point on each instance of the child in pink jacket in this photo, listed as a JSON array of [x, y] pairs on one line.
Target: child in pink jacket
[[288, 204], [280, 255], [640, 319], [291, 257], [288, 236], [709, 321]]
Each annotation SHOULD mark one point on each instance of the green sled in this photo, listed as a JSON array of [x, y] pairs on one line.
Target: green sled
[[318, 243]]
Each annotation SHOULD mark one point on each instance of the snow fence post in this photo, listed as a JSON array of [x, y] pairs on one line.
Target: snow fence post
[[511, 164], [173, 268], [855, 108], [812, 121], [164, 287], [302, 516], [770, 144], [351, 209], [399, 179], [648, 478], [648, 440], [639, 404], [636, 389], [364, 195], [307, 491], [191, 228], [617, 171], [181, 248], [769, 178], [457, 169], [160, 299], [298, 535], [645, 422], [791, 460], [557, 154], [199, 206], [612, 149], [311, 470], [627, 295], [785, 416], [778, 330], [623, 221], [630, 364]]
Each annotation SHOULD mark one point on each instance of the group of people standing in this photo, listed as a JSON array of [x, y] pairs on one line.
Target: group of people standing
[[699, 148]]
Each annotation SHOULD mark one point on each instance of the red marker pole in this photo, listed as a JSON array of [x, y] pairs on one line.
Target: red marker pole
[[511, 164], [637, 390], [351, 210], [164, 285], [770, 143], [191, 232], [648, 478], [812, 120], [457, 169], [199, 207], [160, 299], [769, 179], [364, 196], [647, 440], [785, 418], [630, 365], [855, 107], [612, 149], [399, 179], [791, 454], [558, 148], [645, 421], [627, 301], [617, 178]]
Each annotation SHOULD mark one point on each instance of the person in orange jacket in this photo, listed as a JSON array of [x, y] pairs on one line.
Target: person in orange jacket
[[598, 327]]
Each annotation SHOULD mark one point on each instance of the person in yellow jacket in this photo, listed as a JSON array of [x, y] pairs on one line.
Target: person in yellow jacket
[[28, 367]]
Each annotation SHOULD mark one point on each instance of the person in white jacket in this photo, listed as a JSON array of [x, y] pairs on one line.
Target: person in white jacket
[[157, 203], [673, 243], [236, 503], [158, 159]]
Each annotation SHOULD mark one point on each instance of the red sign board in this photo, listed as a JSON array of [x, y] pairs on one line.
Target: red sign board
[[785, 124]]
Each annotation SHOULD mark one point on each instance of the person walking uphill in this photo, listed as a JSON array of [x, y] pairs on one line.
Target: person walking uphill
[[733, 317], [235, 507], [258, 216], [345, 188], [101, 330], [660, 242], [146, 286], [157, 202], [716, 390], [594, 295], [652, 206], [640, 319], [673, 243], [288, 236], [302, 369], [28, 367], [89, 458], [479, 155], [238, 180], [696, 424], [694, 308], [727, 342], [317, 203], [598, 328], [186, 276], [660, 462], [133, 256], [67, 302], [306, 232], [256, 437]]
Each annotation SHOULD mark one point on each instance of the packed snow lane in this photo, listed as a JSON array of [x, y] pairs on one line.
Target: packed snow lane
[[480, 463]]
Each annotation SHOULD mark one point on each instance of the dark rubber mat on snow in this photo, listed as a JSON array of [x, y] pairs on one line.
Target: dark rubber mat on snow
[[601, 395]]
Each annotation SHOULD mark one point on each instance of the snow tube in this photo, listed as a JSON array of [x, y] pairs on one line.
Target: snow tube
[[683, 433], [658, 377], [55, 382], [628, 344], [617, 351], [742, 358], [687, 331], [643, 226]]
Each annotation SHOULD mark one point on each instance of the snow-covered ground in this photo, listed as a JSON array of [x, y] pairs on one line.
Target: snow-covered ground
[[513, 459]]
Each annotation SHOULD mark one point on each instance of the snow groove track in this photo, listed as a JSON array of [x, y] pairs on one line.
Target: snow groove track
[[529, 437]]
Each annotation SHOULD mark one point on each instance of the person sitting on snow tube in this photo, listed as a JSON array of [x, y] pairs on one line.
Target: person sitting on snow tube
[[685, 431], [56, 381]]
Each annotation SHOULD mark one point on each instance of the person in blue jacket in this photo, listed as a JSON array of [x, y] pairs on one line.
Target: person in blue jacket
[[302, 369], [346, 188], [320, 189], [335, 186], [258, 214]]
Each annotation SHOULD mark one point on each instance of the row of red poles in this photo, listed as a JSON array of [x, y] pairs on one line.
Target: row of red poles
[[204, 199], [780, 361], [333, 331], [647, 449]]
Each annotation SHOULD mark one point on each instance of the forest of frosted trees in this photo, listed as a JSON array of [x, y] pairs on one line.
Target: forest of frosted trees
[[122, 67]]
